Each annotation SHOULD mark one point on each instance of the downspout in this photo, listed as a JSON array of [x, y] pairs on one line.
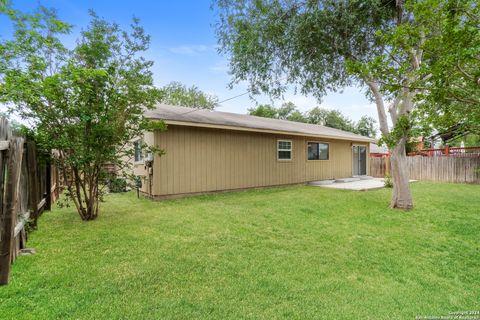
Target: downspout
[[149, 167]]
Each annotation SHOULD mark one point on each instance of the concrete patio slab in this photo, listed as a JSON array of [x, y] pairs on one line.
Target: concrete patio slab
[[321, 182], [346, 180], [364, 177], [358, 185]]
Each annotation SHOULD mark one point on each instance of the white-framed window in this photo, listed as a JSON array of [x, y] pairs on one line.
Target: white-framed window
[[137, 145], [318, 151], [284, 150]]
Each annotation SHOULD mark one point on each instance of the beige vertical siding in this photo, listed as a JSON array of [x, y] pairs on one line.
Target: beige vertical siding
[[204, 159], [338, 165]]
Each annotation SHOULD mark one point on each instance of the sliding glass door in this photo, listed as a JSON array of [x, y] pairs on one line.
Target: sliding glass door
[[359, 160]]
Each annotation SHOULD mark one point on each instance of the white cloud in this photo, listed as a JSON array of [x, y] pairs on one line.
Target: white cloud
[[220, 67], [189, 50]]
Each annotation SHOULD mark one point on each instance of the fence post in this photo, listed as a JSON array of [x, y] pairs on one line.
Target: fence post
[[4, 260], [387, 172], [14, 166], [33, 198], [447, 149], [48, 197]]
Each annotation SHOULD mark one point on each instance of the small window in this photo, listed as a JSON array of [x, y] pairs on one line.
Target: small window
[[138, 150], [317, 151], [284, 150]]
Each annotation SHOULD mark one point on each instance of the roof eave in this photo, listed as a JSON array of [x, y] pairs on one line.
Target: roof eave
[[249, 129]]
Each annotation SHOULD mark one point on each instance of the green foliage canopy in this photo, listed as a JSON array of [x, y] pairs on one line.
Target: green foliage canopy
[[451, 98], [366, 127], [308, 44], [325, 117], [390, 47], [87, 103], [176, 93]]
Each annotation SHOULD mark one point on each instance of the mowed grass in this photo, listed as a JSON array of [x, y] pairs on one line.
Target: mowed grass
[[281, 253]]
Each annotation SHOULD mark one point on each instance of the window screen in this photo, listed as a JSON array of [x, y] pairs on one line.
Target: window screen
[[284, 150], [138, 150]]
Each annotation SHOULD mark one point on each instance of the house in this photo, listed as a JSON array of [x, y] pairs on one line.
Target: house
[[378, 151], [211, 151]]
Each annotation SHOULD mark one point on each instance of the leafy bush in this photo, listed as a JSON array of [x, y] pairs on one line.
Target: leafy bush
[[388, 181], [117, 184]]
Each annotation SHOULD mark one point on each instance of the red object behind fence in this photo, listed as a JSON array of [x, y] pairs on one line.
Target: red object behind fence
[[448, 151]]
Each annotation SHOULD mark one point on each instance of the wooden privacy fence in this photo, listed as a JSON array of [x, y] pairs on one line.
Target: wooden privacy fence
[[26, 190], [448, 151], [442, 169], [378, 166]]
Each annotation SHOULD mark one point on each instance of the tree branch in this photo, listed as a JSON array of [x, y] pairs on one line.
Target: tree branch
[[393, 109], [382, 116], [467, 75]]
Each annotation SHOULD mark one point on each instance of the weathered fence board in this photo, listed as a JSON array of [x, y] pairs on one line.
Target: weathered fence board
[[35, 197], [27, 187], [6, 223], [10, 205], [441, 168], [378, 166]]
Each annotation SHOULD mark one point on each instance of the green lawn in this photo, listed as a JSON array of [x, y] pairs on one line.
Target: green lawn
[[281, 253]]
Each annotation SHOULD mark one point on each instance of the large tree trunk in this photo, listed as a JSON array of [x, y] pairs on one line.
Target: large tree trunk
[[91, 212], [401, 197], [91, 208], [89, 200], [85, 198]]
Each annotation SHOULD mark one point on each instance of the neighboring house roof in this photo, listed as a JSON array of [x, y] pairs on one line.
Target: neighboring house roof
[[375, 148], [235, 121]]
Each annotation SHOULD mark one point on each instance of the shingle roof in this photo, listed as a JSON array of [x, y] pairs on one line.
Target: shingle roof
[[374, 148], [232, 121]]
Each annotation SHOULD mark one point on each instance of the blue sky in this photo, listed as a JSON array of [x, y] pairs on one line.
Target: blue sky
[[184, 49]]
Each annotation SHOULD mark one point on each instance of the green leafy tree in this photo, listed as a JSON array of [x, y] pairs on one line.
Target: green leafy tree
[[366, 127], [335, 119], [287, 111], [319, 46], [264, 110], [296, 116], [176, 93], [470, 140], [451, 101], [324, 117], [317, 115], [86, 103]]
